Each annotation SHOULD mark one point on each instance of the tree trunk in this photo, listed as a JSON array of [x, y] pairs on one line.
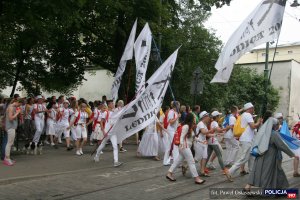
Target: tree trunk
[[19, 66]]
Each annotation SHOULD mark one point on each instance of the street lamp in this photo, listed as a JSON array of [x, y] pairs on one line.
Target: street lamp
[[295, 4], [197, 83]]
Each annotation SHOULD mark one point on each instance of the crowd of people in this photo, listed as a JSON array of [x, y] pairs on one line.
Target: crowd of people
[[178, 135]]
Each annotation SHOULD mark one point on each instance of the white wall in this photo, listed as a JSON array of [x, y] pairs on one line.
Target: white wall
[[280, 79], [98, 83], [295, 93]]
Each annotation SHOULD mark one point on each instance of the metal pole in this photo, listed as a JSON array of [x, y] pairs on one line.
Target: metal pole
[[266, 77], [158, 52]]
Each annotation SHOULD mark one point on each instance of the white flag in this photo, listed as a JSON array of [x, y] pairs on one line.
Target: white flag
[[127, 55], [142, 50], [140, 113], [262, 25]]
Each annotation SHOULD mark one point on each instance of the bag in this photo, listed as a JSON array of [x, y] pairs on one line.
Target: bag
[[237, 128], [177, 135], [226, 121], [166, 123], [254, 152]]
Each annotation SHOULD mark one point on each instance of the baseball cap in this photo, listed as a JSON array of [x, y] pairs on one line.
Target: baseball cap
[[248, 105], [278, 115], [66, 101], [39, 97], [203, 114], [215, 113]]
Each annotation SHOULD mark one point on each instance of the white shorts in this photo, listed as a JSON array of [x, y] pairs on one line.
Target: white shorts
[[97, 133], [62, 128], [73, 133], [81, 131], [51, 128], [200, 151]]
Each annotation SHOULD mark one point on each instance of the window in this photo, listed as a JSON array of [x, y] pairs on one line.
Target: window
[[290, 52], [263, 54]]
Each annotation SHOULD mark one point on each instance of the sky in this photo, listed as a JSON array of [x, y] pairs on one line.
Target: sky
[[226, 20]]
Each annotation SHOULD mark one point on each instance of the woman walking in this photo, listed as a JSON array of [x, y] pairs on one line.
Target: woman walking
[[51, 122], [79, 120], [149, 143], [186, 140], [11, 124]]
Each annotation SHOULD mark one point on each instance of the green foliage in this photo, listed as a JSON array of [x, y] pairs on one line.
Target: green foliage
[[48, 44]]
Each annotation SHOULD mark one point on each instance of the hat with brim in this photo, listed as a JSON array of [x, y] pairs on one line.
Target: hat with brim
[[215, 113], [248, 106], [66, 101], [39, 97], [278, 115], [203, 114]]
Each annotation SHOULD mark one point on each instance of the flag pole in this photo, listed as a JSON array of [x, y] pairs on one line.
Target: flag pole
[[266, 79], [160, 60]]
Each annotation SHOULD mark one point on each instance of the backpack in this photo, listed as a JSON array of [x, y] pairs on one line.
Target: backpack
[[177, 135], [226, 121], [237, 128], [166, 123]]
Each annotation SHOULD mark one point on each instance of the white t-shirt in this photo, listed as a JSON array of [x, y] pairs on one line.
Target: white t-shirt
[[185, 141], [106, 115], [213, 140], [172, 127], [201, 137], [248, 134], [52, 114], [82, 118], [229, 133], [97, 115], [38, 108], [65, 114]]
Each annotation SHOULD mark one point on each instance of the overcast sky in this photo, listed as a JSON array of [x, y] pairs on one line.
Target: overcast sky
[[226, 20]]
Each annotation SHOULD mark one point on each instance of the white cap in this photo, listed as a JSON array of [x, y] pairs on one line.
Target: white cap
[[203, 114], [278, 115], [275, 121], [38, 97], [66, 101], [248, 105], [215, 113]]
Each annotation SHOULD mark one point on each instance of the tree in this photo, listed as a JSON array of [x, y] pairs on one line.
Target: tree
[[50, 43], [40, 46]]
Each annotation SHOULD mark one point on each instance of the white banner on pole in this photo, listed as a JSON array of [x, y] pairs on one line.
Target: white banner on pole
[[127, 55], [262, 25], [142, 50], [140, 113]]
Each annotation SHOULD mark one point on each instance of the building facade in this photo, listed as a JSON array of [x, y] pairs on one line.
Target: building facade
[[97, 83], [285, 75]]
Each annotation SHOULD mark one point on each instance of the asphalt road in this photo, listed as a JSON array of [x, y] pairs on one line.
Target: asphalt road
[[59, 174]]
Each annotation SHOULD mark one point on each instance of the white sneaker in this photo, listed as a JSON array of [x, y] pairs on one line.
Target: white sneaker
[[101, 152], [117, 164], [96, 158], [46, 142], [91, 144], [78, 153], [52, 144]]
